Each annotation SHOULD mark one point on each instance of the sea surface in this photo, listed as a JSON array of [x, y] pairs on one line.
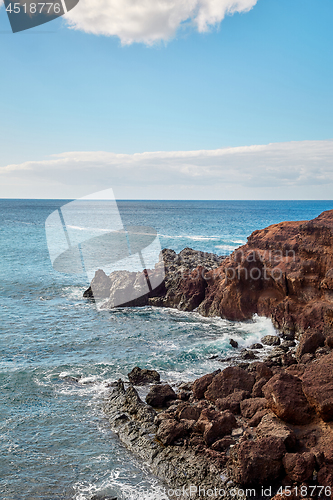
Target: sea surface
[[55, 442]]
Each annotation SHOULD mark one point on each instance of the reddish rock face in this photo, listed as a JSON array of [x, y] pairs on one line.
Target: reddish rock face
[[318, 386], [286, 399], [249, 407], [229, 380], [258, 462], [215, 425], [159, 395], [284, 271], [169, 431], [200, 385], [299, 466]]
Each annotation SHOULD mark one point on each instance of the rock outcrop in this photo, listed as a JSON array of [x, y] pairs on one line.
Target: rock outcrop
[[284, 272]]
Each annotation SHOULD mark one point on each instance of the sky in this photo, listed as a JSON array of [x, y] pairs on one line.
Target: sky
[[170, 99]]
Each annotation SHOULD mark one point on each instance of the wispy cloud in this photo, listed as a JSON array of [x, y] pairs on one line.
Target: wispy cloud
[[150, 21], [292, 169]]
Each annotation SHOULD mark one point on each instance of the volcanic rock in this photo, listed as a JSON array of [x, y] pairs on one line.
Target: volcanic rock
[[229, 380], [159, 395], [299, 466], [318, 386], [286, 399], [140, 376]]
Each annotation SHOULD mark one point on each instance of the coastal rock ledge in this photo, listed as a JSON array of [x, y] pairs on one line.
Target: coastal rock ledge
[[283, 272]]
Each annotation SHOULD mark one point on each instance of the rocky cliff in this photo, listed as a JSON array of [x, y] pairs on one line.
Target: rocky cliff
[[284, 272]]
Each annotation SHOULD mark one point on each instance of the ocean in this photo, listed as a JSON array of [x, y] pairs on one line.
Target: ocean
[[55, 442]]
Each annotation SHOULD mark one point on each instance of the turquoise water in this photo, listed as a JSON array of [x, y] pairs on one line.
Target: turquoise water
[[54, 440]]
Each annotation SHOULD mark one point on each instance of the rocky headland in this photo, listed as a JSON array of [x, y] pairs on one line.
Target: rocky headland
[[256, 424]]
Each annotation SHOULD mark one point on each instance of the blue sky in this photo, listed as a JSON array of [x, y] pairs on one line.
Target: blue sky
[[258, 77]]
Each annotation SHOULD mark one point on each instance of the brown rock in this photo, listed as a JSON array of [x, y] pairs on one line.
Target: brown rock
[[159, 395], [188, 411], [200, 385], [257, 417], [286, 399], [232, 401], [257, 388], [318, 386], [309, 342], [250, 406], [223, 444], [169, 431], [263, 371], [258, 462], [299, 466], [140, 376], [325, 477], [272, 340], [229, 380], [329, 341], [215, 425], [270, 425]]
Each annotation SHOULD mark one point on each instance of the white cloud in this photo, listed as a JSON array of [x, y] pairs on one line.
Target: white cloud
[[291, 170], [150, 21]]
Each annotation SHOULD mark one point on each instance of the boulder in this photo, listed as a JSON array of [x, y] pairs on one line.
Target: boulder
[[169, 431], [229, 380], [272, 340], [188, 411], [257, 417], [233, 343], [159, 395], [270, 425], [215, 425], [223, 444], [257, 388], [318, 386], [249, 407], [257, 462], [310, 341], [299, 466], [286, 399], [140, 376], [200, 385], [232, 401]]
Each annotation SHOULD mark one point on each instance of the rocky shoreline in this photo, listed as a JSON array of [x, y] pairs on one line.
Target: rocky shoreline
[[258, 424]]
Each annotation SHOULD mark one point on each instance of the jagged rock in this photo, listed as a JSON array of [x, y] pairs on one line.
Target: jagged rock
[[159, 395], [256, 346], [309, 342], [272, 340], [229, 380], [257, 462], [270, 425], [233, 343], [200, 385], [99, 287], [246, 354], [188, 411], [286, 399], [223, 444], [318, 386], [215, 425], [170, 430], [140, 376], [299, 466], [257, 388], [232, 402], [257, 417], [249, 407]]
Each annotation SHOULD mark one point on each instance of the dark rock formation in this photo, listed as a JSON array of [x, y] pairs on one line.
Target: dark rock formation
[[318, 386], [142, 377], [159, 395]]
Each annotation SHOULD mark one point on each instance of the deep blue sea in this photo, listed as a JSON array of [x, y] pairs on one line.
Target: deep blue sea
[[55, 442]]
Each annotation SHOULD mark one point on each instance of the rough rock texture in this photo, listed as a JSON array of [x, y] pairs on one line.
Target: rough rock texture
[[149, 435], [284, 272], [258, 462], [140, 376], [285, 397], [318, 386], [159, 395], [229, 380]]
